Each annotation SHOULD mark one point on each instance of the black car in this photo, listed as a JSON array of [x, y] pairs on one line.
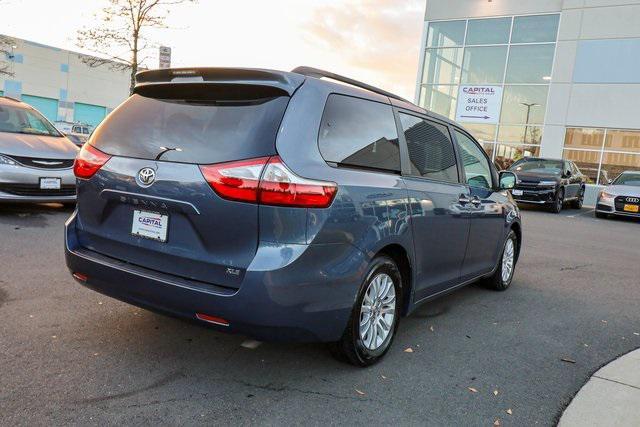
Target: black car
[[548, 182]]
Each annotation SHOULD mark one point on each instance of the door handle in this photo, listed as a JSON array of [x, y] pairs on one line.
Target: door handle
[[464, 199]]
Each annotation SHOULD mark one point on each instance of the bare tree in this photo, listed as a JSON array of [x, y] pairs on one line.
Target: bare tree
[[120, 39], [6, 50]]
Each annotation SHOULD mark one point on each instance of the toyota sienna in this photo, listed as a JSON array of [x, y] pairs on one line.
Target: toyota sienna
[[299, 205]]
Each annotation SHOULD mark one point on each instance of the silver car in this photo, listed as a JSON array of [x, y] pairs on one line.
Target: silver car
[[36, 161], [621, 197]]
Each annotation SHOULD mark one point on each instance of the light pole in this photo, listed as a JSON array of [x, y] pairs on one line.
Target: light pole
[[526, 127]]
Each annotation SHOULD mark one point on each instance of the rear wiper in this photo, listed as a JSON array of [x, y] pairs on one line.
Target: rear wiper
[[167, 149]]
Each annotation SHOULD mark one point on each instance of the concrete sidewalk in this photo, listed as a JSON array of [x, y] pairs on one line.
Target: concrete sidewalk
[[610, 398]]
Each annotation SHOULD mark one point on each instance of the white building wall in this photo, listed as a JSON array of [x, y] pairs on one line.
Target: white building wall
[[49, 72]]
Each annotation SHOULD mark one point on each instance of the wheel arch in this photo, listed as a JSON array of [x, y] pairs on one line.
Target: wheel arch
[[517, 228]]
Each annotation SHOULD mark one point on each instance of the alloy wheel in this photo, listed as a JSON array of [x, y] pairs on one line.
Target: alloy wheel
[[377, 312]]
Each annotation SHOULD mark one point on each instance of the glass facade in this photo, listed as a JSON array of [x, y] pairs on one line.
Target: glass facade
[[602, 154], [515, 53]]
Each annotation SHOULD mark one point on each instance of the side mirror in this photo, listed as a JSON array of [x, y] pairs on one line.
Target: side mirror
[[507, 180], [567, 174]]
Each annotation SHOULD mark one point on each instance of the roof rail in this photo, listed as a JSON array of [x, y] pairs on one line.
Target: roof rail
[[315, 72]]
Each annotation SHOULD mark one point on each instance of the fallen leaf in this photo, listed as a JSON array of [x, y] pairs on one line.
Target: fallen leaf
[[496, 422], [99, 302], [361, 393], [495, 392], [586, 345], [431, 328], [54, 336], [509, 411], [383, 377], [472, 390], [636, 333], [565, 359], [604, 321], [408, 350]]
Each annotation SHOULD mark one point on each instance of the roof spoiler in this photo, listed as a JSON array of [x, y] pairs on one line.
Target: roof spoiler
[[286, 82]]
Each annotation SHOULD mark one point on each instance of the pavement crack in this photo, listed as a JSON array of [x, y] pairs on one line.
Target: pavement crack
[[575, 267], [284, 388], [617, 382], [161, 382]]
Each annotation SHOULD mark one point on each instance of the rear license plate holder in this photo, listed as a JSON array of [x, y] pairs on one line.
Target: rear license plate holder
[[150, 225]]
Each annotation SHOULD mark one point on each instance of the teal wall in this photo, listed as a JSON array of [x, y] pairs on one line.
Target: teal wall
[[47, 106], [89, 114]]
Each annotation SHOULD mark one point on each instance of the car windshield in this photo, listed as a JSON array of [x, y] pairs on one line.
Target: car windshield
[[25, 120], [538, 166], [628, 178]]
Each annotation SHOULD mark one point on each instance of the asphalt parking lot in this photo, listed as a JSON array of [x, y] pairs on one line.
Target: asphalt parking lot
[[70, 355]]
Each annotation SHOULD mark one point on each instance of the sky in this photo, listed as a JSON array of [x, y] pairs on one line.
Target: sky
[[375, 41]]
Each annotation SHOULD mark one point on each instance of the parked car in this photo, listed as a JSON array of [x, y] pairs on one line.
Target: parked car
[[78, 133], [286, 206], [549, 182], [36, 161], [621, 197]]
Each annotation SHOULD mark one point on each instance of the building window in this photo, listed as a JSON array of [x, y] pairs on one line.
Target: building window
[[446, 33], [535, 29], [488, 31], [514, 53], [484, 65], [530, 63], [602, 154]]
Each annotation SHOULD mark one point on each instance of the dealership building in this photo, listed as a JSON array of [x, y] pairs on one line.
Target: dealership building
[[59, 84], [554, 78]]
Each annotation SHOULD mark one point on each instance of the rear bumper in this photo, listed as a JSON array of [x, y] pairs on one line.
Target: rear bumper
[[306, 299]]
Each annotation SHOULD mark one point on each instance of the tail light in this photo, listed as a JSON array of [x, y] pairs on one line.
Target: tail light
[[89, 161], [267, 181]]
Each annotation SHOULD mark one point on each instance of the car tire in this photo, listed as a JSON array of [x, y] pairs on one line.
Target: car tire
[[556, 206], [577, 204], [507, 265], [360, 348], [601, 215]]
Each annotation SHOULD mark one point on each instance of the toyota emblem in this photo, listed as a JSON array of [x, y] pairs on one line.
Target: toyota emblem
[[146, 176]]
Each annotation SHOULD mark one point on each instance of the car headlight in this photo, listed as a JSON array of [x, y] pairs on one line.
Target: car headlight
[[4, 160], [606, 196], [547, 183]]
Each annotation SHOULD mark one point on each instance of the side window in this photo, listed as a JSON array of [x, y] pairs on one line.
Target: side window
[[360, 133], [476, 165], [431, 152]]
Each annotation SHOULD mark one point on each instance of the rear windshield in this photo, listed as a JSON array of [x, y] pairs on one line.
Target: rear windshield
[[191, 131]]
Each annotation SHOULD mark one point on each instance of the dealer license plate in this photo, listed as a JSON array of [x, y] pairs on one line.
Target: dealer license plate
[[49, 183], [632, 208], [516, 192], [150, 225]]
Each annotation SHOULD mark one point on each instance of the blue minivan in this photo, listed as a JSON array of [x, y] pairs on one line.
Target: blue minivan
[[297, 206]]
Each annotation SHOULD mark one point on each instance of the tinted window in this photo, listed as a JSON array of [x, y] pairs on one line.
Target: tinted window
[[356, 132], [539, 166], [445, 33], [476, 165], [205, 131], [431, 152], [531, 29]]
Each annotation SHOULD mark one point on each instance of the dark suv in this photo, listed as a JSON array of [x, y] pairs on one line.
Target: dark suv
[[286, 206], [549, 182]]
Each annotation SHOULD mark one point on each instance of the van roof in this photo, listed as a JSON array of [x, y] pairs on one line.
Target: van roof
[[285, 81]]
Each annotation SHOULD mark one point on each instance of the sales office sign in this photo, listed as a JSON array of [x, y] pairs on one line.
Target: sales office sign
[[479, 104]]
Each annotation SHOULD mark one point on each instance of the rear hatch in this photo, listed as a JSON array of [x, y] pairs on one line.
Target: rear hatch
[[150, 205]]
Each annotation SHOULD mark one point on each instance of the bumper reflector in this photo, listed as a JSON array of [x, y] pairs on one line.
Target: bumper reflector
[[79, 276], [212, 319]]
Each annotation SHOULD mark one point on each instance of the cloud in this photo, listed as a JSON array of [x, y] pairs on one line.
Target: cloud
[[377, 39]]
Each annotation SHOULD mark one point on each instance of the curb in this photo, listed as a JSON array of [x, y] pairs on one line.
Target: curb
[[611, 397]]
